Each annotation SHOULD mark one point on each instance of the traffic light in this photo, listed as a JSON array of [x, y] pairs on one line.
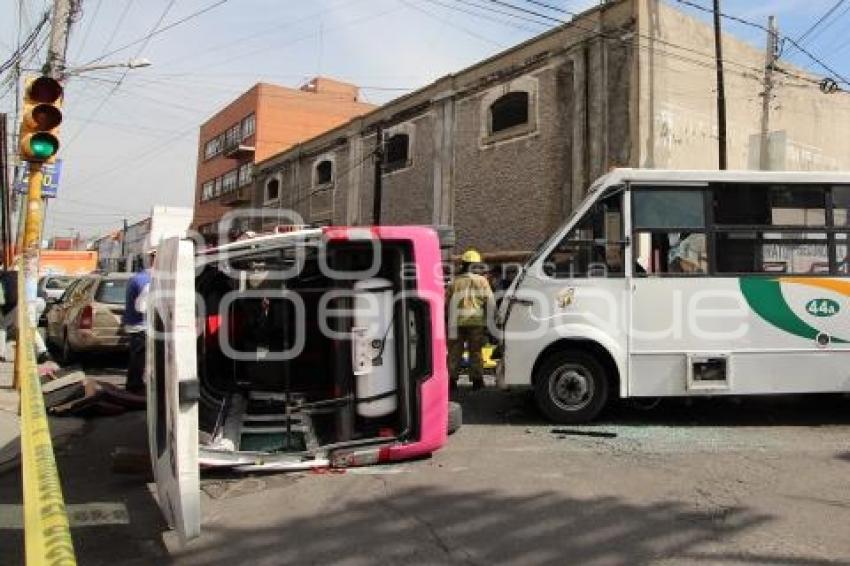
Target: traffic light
[[39, 139]]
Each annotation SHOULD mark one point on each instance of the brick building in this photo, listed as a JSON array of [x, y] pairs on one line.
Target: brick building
[[261, 122], [505, 149]]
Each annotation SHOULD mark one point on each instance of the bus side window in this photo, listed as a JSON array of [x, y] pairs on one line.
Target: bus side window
[[841, 221], [842, 254], [595, 246], [670, 252], [669, 231]]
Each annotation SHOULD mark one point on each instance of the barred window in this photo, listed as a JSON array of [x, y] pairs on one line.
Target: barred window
[[249, 125], [212, 148], [207, 190], [229, 181], [245, 174]]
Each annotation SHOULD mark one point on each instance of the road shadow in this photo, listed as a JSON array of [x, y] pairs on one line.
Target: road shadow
[[492, 406], [84, 465], [434, 525]]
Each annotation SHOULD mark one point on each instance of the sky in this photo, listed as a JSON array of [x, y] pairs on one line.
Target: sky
[[130, 136]]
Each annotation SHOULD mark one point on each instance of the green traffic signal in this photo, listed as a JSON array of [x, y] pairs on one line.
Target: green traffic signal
[[43, 146], [40, 119]]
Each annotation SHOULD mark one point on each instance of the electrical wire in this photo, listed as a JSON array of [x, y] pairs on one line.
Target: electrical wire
[[90, 26], [144, 40], [117, 85], [511, 15], [117, 26], [805, 35], [25, 45], [784, 39]]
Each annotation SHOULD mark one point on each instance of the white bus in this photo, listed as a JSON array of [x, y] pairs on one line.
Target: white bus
[[680, 283]]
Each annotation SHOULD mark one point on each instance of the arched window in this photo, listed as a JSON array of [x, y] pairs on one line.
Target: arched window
[[272, 190], [324, 172], [508, 111], [396, 152]]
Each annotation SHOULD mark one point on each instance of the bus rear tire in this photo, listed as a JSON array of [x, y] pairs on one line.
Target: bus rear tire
[[570, 387]]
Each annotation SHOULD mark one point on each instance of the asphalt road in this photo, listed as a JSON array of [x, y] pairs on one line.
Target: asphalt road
[[761, 481]]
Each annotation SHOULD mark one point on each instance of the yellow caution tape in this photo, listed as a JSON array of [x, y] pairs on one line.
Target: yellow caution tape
[[46, 532]]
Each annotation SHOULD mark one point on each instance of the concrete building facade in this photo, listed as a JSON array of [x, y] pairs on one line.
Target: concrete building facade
[[505, 150], [258, 124]]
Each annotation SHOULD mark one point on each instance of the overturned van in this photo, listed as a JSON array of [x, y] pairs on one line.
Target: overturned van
[[316, 348]]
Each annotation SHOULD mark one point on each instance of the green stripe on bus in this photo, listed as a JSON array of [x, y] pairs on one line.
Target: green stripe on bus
[[765, 297]]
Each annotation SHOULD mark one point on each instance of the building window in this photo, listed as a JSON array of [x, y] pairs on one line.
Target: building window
[[212, 148], [230, 181], [207, 190], [396, 152], [324, 172], [245, 174], [217, 188], [272, 190], [249, 125], [509, 111], [232, 136]]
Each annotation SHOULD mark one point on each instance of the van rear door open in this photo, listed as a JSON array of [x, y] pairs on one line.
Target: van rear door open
[[172, 389]]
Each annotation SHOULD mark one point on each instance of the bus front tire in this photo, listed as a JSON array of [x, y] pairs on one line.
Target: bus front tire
[[571, 387]]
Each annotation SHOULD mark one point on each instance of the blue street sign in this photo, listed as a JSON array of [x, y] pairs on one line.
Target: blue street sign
[[50, 183]]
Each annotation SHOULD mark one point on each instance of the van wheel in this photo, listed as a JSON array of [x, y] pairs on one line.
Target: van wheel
[[455, 417], [571, 387]]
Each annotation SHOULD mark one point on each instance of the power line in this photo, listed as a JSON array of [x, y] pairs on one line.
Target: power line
[[513, 15], [532, 12], [117, 26], [784, 39], [144, 40], [27, 43], [451, 24], [803, 36], [90, 26], [831, 22], [117, 85]]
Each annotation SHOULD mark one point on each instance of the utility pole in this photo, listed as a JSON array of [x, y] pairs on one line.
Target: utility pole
[[5, 221], [4, 195], [771, 54], [124, 239], [721, 90], [65, 13], [377, 197]]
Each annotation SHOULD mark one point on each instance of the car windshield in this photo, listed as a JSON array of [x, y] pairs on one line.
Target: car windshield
[[112, 291], [58, 282]]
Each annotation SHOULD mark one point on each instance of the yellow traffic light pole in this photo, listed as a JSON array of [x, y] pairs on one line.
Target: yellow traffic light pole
[[31, 244], [34, 218]]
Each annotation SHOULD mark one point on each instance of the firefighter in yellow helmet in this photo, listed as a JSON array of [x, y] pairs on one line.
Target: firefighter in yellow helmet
[[469, 299]]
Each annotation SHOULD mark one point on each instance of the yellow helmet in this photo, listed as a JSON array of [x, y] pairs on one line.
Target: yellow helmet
[[471, 256]]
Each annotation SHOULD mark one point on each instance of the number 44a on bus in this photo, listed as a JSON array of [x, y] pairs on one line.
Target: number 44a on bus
[[822, 307]]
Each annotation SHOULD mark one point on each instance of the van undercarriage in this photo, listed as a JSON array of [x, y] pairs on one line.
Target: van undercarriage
[[307, 354]]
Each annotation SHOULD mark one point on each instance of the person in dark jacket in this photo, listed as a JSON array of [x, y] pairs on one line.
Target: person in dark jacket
[[135, 326]]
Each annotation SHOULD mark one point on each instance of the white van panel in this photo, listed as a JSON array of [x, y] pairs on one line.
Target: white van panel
[[171, 361]]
